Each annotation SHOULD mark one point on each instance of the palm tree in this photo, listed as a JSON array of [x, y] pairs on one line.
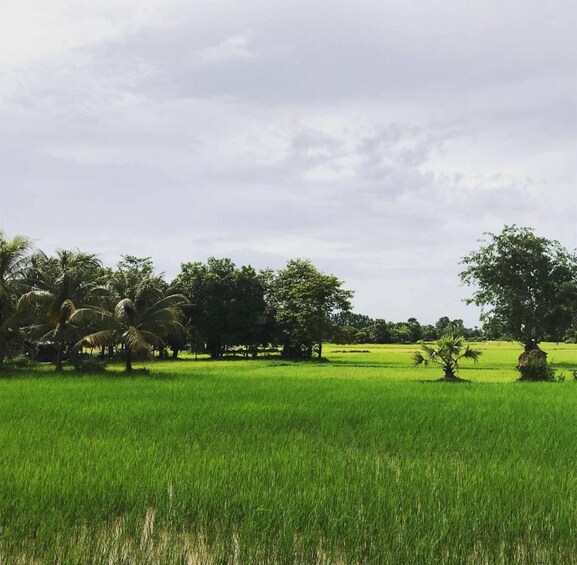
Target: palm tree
[[13, 262], [56, 285], [137, 329], [446, 353]]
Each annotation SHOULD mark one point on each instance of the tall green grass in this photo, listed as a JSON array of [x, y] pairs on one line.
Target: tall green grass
[[355, 460]]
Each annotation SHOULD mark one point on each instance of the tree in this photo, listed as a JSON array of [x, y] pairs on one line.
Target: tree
[[14, 255], [442, 325], [380, 332], [523, 283], [135, 279], [446, 353], [227, 303], [415, 330], [137, 330], [56, 285], [304, 300]]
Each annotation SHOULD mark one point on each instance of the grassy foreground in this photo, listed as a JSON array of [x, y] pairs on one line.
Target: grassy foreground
[[355, 460]]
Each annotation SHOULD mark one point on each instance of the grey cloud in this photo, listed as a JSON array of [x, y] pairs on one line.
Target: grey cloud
[[379, 139]]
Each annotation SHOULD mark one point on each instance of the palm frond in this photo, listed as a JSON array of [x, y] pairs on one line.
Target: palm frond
[[419, 359], [134, 338], [159, 318], [66, 311], [34, 298], [471, 353], [97, 339], [96, 317], [173, 301], [153, 339], [126, 312]]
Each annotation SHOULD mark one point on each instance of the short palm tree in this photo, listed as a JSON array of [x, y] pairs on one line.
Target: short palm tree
[[446, 353], [137, 329]]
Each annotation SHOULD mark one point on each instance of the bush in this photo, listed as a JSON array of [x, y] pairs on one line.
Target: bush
[[93, 365], [21, 362], [533, 366]]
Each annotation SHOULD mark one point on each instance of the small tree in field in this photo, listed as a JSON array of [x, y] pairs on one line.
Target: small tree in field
[[446, 353]]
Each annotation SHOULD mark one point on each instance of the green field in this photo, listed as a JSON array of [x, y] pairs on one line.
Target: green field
[[351, 461]]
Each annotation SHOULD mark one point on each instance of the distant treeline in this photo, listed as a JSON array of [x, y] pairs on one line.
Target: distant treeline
[[357, 328]]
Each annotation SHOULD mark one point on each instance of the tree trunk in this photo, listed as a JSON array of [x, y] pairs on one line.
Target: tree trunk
[[59, 358], [76, 359], [175, 351], [320, 349], [128, 357]]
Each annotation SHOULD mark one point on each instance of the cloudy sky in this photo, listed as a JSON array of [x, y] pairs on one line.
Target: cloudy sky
[[378, 138]]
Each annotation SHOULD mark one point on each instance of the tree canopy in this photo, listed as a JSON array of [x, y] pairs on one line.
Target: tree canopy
[[525, 284], [304, 300]]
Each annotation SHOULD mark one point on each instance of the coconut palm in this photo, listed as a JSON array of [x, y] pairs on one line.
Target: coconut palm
[[446, 353], [13, 262], [137, 329], [56, 285]]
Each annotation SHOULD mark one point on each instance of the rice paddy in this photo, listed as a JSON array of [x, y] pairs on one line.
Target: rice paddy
[[352, 461]]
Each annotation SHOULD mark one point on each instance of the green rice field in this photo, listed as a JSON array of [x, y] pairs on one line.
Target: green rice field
[[357, 460]]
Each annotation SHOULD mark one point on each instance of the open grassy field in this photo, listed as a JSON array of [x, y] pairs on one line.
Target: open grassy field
[[351, 461]]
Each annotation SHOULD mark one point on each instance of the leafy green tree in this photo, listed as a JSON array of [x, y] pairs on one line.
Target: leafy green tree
[[304, 301], [523, 283], [430, 332], [55, 286], [380, 332], [137, 330], [447, 352], [442, 325], [415, 330], [228, 304], [135, 278], [14, 257]]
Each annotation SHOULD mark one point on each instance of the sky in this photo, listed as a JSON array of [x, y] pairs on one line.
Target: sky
[[378, 138]]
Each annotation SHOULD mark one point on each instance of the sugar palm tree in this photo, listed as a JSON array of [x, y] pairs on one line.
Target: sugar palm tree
[[55, 286], [137, 329], [446, 353], [14, 255]]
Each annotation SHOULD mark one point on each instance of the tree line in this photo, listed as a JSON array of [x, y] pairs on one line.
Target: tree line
[[54, 307], [352, 328]]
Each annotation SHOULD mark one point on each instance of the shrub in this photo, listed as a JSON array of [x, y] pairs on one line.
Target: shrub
[[533, 366], [21, 362], [93, 365]]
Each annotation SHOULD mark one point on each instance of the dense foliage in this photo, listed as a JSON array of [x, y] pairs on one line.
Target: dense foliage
[[57, 308], [527, 285]]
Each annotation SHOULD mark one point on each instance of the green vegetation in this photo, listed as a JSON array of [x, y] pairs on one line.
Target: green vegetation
[[354, 460], [446, 353], [526, 284], [271, 461]]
